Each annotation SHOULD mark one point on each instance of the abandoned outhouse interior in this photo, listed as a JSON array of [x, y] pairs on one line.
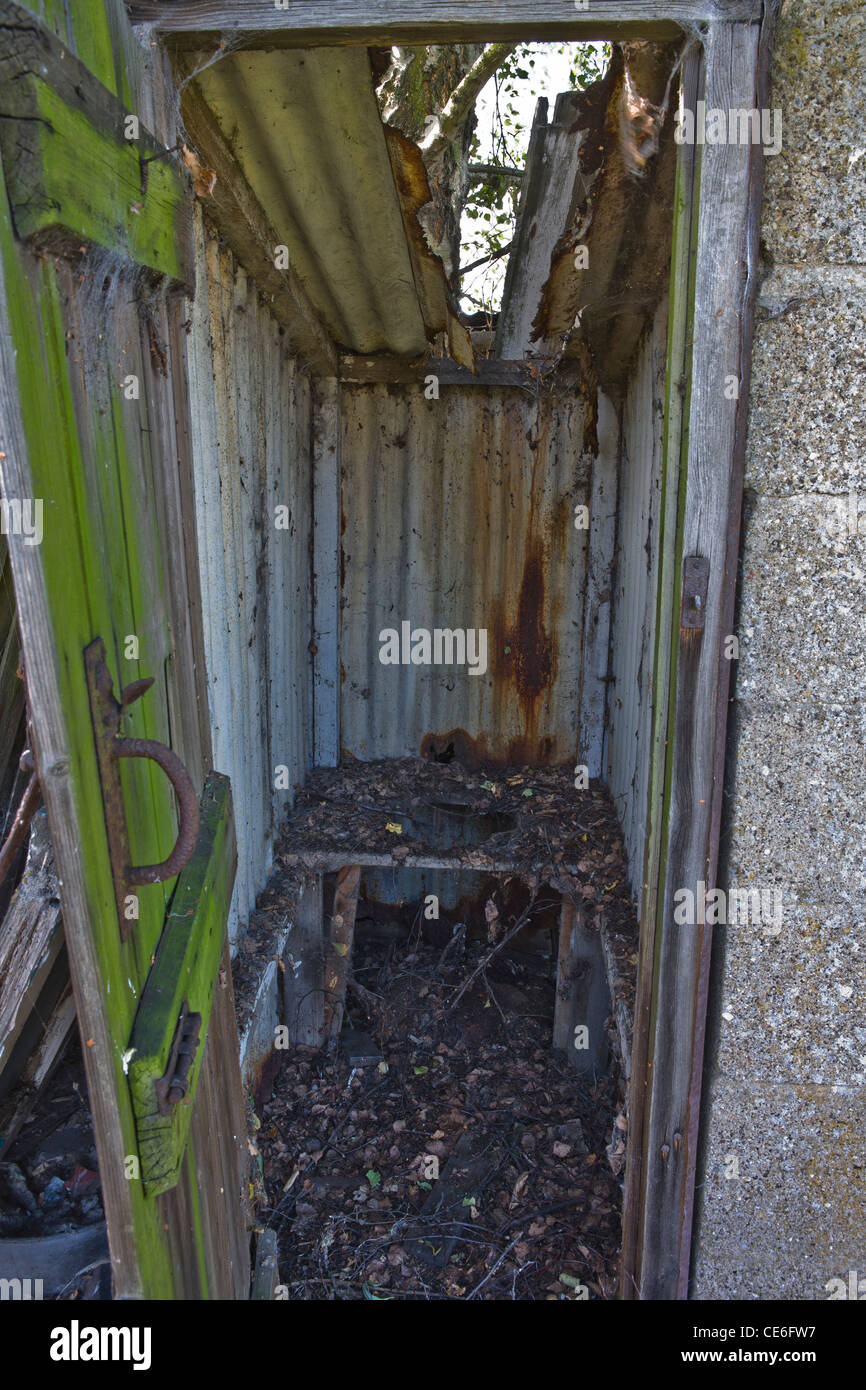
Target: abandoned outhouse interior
[[433, 605]]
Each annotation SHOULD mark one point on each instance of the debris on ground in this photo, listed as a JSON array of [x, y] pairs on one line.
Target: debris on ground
[[470, 1162]]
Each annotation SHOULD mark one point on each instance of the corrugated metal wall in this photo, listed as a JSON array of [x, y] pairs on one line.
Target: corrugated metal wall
[[251, 439], [458, 513], [635, 578]]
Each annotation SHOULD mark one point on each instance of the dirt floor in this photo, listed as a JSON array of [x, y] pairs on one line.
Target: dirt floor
[[449, 1153]]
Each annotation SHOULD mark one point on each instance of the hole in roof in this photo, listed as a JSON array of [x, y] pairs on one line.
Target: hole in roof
[[503, 119]]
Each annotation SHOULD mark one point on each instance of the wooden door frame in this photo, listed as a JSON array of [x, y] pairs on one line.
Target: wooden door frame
[[705, 451], [710, 333]]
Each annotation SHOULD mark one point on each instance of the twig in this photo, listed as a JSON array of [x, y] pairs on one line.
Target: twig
[[507, 1251], [479, 969]]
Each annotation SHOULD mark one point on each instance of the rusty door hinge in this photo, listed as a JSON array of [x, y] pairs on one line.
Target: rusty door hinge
[[696, 575], [105, 712], [172, 1086]]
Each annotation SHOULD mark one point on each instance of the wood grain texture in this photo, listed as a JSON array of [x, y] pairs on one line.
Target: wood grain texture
[[304, 978], [71, 174], [383, 22], [717, 350]]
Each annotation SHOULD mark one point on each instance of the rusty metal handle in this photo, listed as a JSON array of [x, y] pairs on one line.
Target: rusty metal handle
[[187, 834]]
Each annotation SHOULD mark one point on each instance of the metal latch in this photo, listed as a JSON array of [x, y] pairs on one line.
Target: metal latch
[[172, 1086], [105, 713], [696, 574]]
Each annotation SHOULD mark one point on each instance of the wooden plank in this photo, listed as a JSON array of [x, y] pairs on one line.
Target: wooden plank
[[327, 542], [267, 1274], [237, 214], [58, 1029], [723, 256], [386, 22], [531, 376], [597, 592], [184, 972], [582, 996], [331, 860], [71, 174], [304, 978], [338, 959], [31, 939]]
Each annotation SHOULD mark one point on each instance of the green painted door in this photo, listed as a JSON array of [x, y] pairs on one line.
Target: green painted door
[[94, 259]]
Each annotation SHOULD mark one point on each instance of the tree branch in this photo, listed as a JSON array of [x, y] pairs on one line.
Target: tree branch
[[443, 129]]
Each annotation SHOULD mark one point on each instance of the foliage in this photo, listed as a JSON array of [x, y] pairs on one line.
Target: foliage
[[501, 140]]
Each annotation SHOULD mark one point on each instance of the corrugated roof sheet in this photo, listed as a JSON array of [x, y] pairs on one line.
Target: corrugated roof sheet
[[306, 130]]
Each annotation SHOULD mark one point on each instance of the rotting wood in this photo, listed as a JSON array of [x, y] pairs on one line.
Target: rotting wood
[[39, 1069], [31, 939], [582, 999], [304, 978], [237, 214], [338, 960], [386, 22], [71, 174]]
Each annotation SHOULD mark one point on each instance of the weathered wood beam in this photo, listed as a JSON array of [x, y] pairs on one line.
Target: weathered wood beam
[[338, 963], [725, 276], [236, 213], [185, 971], [582, 995], [532, 376], [75, 172], [385, 22], [304, 978]]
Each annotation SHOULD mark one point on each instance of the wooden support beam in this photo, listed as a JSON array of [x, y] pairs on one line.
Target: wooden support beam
[[76, 171], [532, 376], [304, 978], [238, 216], [338, 963], [385, 22], [582, 995]]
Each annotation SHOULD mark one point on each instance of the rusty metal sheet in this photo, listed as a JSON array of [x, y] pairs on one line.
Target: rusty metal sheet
[[458, 514]]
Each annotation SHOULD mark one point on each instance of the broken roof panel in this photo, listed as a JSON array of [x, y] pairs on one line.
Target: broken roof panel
[[305, 128]]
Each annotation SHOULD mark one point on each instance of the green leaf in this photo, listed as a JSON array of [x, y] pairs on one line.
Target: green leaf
[[339, 948], [374, 1297], [427, 1186], [373, 1178], [420, 1071]]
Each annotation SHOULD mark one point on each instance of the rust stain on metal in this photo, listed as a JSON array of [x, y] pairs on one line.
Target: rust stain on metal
[[476, 752]]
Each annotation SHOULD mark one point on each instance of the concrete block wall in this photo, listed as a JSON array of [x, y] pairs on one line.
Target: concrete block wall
[[781, 1201]]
